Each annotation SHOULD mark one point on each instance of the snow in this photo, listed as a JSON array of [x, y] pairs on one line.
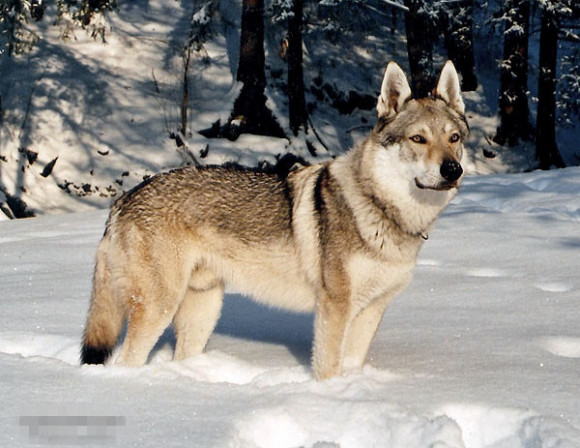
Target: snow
[[482, 350]]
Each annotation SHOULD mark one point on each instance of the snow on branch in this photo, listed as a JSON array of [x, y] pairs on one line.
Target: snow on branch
[[396, 5]]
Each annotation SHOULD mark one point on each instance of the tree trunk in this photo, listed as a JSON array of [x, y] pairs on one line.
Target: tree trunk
[[250, 113], [513, 100], [297, 102], [459, 42], [185, 89], [251, 65], [547, 151], [419, 47]]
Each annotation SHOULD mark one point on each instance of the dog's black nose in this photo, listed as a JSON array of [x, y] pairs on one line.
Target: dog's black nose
[[451, 170]]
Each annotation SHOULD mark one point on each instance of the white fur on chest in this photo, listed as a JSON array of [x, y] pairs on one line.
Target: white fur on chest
[[372, 278]]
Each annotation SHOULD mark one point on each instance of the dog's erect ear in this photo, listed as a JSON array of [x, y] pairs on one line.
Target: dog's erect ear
[[394, 91], [448, 88]]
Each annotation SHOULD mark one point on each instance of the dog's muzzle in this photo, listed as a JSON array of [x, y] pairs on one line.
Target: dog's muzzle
[[450, 171]]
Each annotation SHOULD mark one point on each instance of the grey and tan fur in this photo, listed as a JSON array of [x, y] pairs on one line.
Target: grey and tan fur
[[339, 238]]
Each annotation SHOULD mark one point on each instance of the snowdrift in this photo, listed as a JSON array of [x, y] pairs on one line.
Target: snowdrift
[[482, 350]]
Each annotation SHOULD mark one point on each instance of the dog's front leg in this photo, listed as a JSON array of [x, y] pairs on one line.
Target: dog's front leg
[[362, 331], [330, 327]]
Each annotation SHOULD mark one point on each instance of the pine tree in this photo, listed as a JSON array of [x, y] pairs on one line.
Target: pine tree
[[459, 41], [420, 36], [15, 36], [513, 99], [547, 151], [250, 113], [298, 114]]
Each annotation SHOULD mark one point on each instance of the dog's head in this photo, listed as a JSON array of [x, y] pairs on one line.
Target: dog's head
[[426, 134]]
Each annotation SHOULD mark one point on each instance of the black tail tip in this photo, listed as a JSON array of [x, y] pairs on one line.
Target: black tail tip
[[94, 355]]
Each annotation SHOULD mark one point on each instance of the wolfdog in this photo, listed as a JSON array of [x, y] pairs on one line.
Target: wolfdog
[[340, 238]]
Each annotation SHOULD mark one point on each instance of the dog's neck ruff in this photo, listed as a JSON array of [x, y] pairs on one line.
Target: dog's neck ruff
[[383, 209]]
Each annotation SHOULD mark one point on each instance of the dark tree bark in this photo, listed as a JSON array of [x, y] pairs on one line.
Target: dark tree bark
[[185, 89], [297, 101], [459, 42], [250, 113], [547, 151], [251, 65], [513, 100], [420, 37]]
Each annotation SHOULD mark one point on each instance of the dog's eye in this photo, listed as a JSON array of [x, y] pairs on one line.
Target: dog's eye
[[454, 137], [419, 139]]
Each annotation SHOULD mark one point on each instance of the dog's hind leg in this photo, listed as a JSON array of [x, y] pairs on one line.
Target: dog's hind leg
[[196, 319], [150, 311]]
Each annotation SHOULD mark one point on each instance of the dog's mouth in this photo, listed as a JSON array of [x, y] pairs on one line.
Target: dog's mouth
[[442, 186]]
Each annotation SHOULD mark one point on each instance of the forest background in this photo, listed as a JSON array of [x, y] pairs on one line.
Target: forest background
[[96, 95]]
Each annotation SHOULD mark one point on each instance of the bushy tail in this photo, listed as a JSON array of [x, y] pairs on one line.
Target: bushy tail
[[105, 317]]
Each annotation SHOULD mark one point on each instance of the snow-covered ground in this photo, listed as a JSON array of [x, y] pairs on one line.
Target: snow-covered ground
[[482, 350]]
